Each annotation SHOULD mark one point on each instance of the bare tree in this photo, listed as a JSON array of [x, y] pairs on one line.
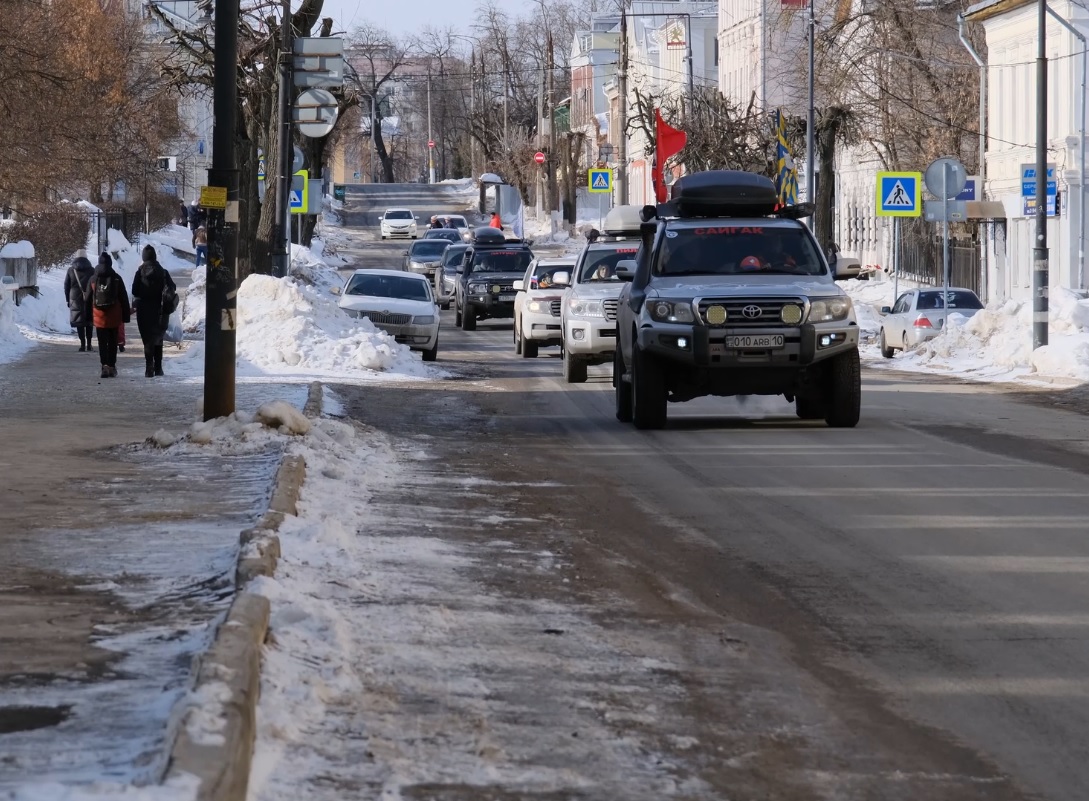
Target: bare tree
[[376, 56]]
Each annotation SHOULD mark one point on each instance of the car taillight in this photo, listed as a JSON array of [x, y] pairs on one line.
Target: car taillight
[[922, 322]]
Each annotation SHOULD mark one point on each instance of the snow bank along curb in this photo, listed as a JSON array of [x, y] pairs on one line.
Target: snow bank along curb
[[217, 731]]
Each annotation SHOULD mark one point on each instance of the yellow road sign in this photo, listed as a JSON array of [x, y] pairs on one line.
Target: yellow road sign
[[213, 197]]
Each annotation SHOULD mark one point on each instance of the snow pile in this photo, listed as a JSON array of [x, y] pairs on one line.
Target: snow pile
[[17, 250], [996, 342], [193, 306], [287, 327], [12, 343], [239, 433], [182, 788]]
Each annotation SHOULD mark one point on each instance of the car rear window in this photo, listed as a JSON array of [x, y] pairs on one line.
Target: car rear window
[[958, 299], [737, 249]]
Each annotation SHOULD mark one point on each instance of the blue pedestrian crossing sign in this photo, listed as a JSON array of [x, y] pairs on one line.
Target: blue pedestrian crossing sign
[[600, 181], [899, 194], [299, 202]]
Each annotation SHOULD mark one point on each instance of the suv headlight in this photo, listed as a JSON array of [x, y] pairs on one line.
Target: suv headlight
[[668, 311], [828, 311], [584, 308], [480, 289]]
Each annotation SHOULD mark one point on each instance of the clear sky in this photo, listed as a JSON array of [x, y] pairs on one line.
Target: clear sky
[[399, 16]]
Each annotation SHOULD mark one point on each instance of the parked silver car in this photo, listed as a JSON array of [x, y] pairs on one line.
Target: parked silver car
[[446, 277], [919, 315]]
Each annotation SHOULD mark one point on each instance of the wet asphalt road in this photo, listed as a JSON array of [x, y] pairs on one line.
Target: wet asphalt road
[[913, 591]]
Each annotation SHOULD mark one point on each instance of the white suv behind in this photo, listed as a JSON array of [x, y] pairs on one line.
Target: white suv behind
[[537, 305], [589, 304], [398, 223]]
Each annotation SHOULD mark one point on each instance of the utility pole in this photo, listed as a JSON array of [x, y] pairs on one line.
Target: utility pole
[[1040, 263], [220, 299], [281, 262], [374, 140], [430, 150], [811, 122], [472, 112], [540, 144], [506, 98], [553, 160], [622, 113]]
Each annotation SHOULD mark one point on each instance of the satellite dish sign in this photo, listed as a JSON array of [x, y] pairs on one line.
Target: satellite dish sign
[[315, 113]]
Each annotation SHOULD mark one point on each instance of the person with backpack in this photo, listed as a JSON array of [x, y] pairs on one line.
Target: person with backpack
[[80, 307], [111, 311], [156, 297]]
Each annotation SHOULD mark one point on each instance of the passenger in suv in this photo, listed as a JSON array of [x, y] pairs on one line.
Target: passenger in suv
[[485, 288], [730, 295], [589, 305]]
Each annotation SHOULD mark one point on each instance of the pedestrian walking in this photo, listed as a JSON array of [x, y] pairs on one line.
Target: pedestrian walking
[[155, 295], [497, 221], [111, 311], [197, 218], [200, 239], [80, 307]]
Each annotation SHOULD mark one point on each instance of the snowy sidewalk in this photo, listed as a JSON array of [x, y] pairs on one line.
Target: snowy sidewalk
[[117, 559]]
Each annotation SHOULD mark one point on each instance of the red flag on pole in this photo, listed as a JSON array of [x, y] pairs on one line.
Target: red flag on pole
[[670, 143]]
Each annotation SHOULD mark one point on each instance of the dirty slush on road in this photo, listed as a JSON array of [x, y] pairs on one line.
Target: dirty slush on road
[[572, 662]]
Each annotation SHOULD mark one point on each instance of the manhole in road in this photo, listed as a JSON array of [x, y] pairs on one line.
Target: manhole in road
[[29, 718]]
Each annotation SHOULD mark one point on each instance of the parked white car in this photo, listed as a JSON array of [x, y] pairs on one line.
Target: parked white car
[[919, 315], [537, 310], [398, 223], [399, 303]]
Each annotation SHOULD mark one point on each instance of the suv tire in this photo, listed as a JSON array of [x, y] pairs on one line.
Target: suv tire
[[648, 392], [517, 339], [844, 394], [886, 351], [529, 348], [574, 369], [622, 388], [457, 314], [468, 320]]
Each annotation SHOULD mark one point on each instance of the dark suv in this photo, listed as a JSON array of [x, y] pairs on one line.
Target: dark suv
[[485, 288], [729, 294]]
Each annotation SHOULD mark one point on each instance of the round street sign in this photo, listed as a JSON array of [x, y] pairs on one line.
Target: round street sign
[[430, 142], [539, 157], [946, 175], [315, 112]]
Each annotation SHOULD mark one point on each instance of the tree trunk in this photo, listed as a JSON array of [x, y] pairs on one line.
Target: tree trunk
[[314, 150], [826, 135]]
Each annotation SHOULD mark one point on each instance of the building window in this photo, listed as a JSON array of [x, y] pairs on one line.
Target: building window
[[716, 51]]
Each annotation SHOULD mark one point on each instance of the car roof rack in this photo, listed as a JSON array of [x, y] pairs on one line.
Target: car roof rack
[[725, 193], [622, 222], [486, 235]]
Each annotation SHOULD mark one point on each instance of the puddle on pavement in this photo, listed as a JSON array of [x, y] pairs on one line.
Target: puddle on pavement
[[155, 561]]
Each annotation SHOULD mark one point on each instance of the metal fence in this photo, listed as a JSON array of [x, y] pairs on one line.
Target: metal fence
[[922, 260]]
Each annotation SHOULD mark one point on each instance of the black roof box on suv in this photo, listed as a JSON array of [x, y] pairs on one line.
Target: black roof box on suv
[[724, 193], [486, 235]]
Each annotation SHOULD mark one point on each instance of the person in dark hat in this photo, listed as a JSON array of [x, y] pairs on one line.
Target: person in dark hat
[[111, 310], [153, 290]]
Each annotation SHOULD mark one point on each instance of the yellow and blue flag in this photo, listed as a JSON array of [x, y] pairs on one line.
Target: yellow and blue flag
[[786, 174]]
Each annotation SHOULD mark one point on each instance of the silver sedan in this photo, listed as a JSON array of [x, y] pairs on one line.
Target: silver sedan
[[919, 315]]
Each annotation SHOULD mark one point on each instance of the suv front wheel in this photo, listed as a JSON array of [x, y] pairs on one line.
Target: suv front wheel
[[843, 401], [468, 319], [574, 368], [648, 391]]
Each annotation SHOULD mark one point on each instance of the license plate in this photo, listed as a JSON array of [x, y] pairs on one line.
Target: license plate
[[506, 297], [757, 342]]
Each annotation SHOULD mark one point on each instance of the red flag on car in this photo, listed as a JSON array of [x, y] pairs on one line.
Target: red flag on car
[[670, 143]]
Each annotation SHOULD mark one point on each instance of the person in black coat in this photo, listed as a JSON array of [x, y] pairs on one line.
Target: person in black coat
[[149, 285], [80, 304]]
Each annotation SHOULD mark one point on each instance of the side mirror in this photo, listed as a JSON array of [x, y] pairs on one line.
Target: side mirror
[[518, 285], [625, 269], [335, 290], [561, 278], [886, 309]]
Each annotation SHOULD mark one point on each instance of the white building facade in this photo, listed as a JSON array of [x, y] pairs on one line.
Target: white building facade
[[762, 49], [1011, 31]]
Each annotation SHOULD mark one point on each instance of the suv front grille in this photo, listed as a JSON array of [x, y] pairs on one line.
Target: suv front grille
[[609, 309], [742, 312], [387, 318], [555, 307]]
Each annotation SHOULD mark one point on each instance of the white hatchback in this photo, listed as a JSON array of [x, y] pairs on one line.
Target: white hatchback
[[399, 303], [398, 223], [537, 305]]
